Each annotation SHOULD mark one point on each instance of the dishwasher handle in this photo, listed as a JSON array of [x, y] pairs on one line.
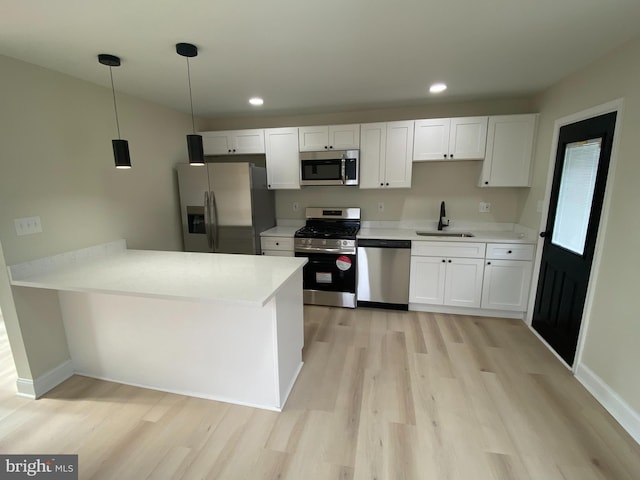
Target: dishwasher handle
[[380, 243]]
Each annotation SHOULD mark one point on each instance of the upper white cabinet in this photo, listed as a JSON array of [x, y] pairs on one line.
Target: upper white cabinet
[[233, 142], [329, 137], [509, 151], [462, 138], [282, 158], [385, 154]]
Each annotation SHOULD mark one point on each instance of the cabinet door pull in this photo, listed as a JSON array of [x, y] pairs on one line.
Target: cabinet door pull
[[443, 260], [509, 251], [449, 261], [445, 155], [488, 263]]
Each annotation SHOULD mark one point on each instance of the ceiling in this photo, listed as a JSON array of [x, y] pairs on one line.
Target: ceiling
[[306, 56]]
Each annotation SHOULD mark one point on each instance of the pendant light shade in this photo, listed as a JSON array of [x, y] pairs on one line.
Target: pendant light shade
[[121, 153], [196, 151], [194, 141], [120, 147]]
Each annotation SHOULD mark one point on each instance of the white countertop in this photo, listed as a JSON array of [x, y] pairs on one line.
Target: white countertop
[[203, 277], [406, 232], [478, 236], [280, 231]]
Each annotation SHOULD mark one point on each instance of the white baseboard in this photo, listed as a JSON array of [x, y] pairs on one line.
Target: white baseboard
[[478, 312], [45, 382], [626, 416]]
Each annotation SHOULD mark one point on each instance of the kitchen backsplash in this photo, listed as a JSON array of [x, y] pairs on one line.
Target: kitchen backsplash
[[432, 182]]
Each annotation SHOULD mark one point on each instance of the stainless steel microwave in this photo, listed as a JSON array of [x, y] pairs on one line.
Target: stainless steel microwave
[[334, 167]]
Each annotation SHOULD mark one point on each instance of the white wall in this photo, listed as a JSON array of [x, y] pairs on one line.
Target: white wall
[[611, 348], [57, 163]]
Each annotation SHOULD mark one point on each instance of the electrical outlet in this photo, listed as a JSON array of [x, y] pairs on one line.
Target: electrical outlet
[[295, 206], [381, 206], [28, 225], [484, 207]]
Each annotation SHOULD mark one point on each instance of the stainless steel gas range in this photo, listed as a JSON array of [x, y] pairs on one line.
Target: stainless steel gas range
[[329, 241]]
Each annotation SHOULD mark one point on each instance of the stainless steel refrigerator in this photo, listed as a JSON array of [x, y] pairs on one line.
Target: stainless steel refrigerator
[[224, 207]]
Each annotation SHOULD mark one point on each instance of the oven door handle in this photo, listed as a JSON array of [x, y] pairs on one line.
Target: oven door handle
[[343, 170], [324, 250]]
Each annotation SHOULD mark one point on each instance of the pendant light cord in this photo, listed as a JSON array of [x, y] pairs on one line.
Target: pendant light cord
[[115, 106], [193, 123]]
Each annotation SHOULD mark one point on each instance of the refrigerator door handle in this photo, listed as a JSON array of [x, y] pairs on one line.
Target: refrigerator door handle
[[207, 226], [213, 212]]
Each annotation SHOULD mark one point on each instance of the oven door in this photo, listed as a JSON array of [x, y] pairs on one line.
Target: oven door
[[329, 279]]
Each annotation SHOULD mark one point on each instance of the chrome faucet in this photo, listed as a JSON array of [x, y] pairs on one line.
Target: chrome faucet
[[443, 221]]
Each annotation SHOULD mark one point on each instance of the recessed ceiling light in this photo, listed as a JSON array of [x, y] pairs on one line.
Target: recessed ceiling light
[[256, 101], [437, 88]]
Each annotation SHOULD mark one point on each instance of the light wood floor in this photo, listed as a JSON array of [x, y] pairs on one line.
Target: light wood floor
[[382, 395]]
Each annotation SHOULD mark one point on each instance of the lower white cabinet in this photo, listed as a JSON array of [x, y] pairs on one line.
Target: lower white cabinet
[[456, 282], [447, 273], [277, 246], [507, 277]]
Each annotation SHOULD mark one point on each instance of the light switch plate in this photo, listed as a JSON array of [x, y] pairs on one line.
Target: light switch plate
[[28, 225], [295, 206]]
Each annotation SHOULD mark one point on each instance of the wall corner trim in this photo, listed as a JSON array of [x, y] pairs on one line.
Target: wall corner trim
[[36, 388], [626, 416]]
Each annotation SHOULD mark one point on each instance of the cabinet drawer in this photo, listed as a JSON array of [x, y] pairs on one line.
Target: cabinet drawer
[[276, 243], [509, 251], [448, 249], [278, 253]]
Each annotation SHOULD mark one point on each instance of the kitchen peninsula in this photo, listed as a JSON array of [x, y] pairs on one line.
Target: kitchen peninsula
[[217, 326]]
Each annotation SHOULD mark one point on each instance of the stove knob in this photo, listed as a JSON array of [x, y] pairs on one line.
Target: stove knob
[[338, 242], [344, 242]]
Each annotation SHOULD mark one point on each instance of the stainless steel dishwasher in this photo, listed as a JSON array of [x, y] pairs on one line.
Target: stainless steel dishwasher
[[383, 273]]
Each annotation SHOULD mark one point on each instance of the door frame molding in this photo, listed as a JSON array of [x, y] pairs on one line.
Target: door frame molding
[[616, 105]]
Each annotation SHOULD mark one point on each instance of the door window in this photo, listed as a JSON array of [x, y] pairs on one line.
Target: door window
[[576, 194]]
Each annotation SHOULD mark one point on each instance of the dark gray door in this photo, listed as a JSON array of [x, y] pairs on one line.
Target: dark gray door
[[577, 195]]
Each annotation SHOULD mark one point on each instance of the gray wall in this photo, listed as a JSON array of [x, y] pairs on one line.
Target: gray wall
[[57, 163], [611, 343], [454, 182]]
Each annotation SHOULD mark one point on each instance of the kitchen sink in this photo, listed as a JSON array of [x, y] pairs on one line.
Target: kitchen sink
[[445, 234]]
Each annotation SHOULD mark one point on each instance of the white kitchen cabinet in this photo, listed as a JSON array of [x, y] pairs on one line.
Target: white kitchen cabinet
[[509, 151], [329, 137], [507, 277], [462, 138], [385, 154], [232, 142], [277, 246], [438, 277], [282, 158]]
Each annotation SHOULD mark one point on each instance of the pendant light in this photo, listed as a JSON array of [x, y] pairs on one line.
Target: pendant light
[[194, 141], [120, 146]]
